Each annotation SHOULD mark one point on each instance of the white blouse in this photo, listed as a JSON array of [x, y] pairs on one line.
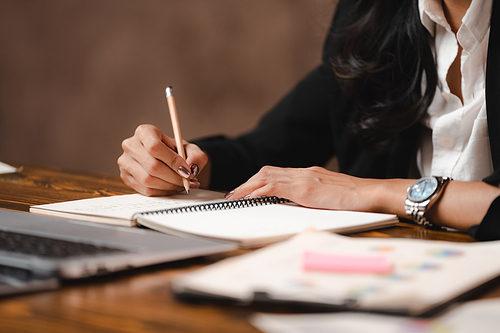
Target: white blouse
[[457, 142]]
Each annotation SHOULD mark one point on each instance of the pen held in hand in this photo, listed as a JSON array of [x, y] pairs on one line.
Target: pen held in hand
[[177, 129]]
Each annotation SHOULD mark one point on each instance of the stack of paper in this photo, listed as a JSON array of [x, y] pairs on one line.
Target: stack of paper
[[476, 316], [416, 278]]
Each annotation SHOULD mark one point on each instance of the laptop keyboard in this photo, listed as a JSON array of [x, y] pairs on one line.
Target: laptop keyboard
[[15, 281], [14, 272], [49, 247]]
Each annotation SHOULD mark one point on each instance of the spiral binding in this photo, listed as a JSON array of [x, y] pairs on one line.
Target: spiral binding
[[220, 205]]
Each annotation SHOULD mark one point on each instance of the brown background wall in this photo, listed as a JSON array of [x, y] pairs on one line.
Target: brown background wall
[[78, 76]]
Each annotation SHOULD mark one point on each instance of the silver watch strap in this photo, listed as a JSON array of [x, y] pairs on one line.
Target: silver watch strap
[[417, 213], [416, 210]]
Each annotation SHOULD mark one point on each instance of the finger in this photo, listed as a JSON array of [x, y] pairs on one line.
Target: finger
[[143, 177], [137, 156], [196, 159], [132, 182], [266, 176], [193, 183], [151, 137], [163, 148], [162, 151]]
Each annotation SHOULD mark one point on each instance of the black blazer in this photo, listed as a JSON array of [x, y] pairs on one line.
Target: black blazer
[[493, 91], [308, 126]]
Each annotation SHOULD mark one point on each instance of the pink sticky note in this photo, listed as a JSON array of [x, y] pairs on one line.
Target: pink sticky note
[[346, 263]]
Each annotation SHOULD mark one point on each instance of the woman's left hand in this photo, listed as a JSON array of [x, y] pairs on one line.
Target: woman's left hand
[[462, 205], [314, 187]]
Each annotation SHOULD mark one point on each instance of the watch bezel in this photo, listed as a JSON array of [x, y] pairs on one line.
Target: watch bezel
[[435, 186]]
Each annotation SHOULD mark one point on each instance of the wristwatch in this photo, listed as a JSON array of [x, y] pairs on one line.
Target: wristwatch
[[420, 196]]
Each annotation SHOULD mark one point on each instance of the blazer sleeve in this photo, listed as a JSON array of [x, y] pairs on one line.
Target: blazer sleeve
[[489, 228], [297, 132]]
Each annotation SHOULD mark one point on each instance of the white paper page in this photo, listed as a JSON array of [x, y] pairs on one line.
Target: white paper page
[[424, 272], [125, 206], [5, 168], [263, 221], [476, 316]]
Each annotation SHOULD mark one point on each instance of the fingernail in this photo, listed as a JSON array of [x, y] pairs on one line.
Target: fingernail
[[246, 196], [195, 169], [183, 172], [194, 184], [229, 194]]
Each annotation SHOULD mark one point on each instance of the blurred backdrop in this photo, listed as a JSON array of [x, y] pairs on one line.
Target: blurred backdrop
[[78, 76]]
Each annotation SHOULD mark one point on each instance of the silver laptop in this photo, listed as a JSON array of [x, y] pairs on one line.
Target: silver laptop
[[35, 248]]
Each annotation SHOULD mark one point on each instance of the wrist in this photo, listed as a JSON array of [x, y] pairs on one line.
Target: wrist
[[388, 196]]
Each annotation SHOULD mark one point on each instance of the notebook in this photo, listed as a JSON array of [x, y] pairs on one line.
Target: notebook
[[37, 251], [249, 222], [423, 277], [120, 209], [5, 168]]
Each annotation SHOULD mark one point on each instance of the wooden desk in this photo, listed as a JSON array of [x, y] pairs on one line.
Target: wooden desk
[[137, 300]]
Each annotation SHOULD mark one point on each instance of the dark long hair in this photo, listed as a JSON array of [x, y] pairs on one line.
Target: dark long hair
[[380, 56]]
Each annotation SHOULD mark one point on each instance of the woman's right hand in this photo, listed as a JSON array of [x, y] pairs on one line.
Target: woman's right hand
[[151, 166]]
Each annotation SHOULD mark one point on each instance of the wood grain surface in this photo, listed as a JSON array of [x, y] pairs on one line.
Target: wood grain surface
[[137, 300]]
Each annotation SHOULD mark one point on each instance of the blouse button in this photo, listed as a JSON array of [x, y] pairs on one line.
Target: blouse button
[[446, 96], [447, 143]]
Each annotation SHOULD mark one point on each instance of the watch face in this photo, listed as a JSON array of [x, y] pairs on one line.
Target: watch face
[[422, 189]]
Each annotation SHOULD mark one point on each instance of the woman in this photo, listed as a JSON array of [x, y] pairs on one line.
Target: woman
[[404, 91]]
